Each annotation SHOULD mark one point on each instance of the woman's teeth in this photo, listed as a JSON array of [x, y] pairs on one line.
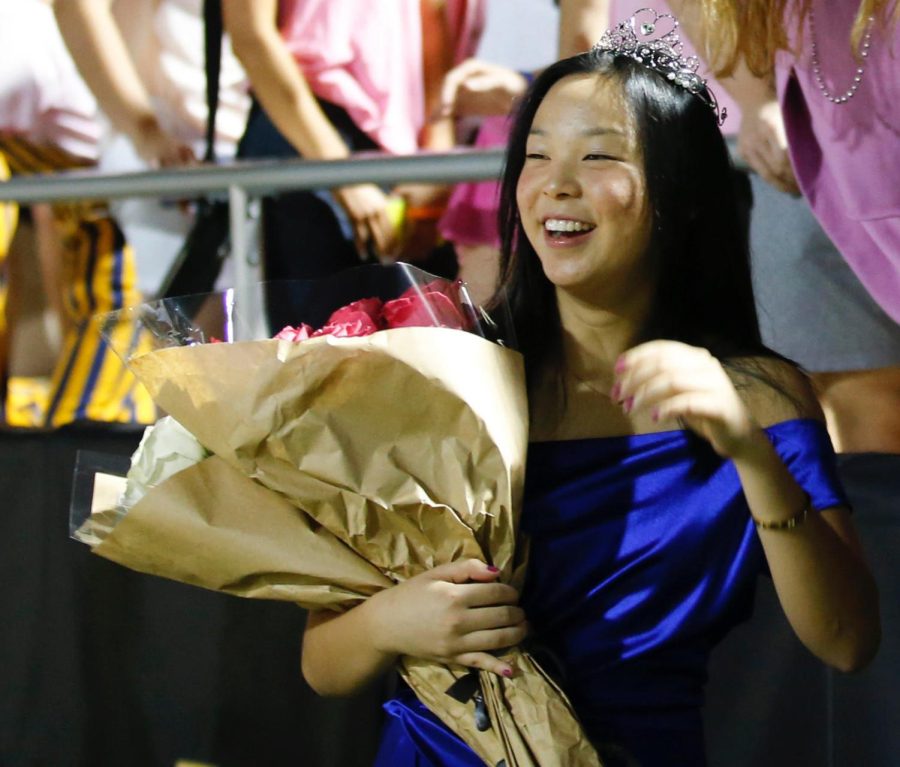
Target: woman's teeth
[[560, 225]]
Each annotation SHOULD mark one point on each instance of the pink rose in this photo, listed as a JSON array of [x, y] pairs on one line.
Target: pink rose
[[289, 333], [352, 324], [433, 305], [368, 306]]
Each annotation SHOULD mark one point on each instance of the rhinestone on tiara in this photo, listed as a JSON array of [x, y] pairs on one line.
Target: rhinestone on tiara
[[650, 38]]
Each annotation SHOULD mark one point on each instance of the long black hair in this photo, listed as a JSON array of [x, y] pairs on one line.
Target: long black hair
[[698, 246]]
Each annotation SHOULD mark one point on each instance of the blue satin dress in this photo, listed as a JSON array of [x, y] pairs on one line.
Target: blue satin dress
[[643, 555]]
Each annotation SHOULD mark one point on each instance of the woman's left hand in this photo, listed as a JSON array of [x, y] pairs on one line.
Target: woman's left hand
[[672, 380]]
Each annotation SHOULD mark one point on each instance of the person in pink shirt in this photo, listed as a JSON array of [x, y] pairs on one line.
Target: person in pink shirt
[[823, 79], [331, 77]]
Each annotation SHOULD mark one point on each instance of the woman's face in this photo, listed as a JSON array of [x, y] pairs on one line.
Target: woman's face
[[582, 194]]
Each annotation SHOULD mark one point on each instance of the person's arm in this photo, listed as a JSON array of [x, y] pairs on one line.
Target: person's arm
[[438, 48], [456, 614], [96, 44], [581, 24], [285, 95], [277, 80], [762, 141], [818, 569], [478, 88], [820, 575], [425, 203]]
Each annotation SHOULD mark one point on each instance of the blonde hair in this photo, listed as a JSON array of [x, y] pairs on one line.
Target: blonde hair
[[753, 30]]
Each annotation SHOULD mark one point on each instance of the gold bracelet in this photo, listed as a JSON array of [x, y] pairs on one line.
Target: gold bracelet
[[783, 524]]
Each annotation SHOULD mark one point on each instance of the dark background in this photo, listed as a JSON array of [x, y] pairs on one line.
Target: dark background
[[102, 666]]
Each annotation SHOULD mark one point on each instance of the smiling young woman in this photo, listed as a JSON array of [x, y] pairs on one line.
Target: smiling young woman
[[673, 457], [638, 407], [582, 193]]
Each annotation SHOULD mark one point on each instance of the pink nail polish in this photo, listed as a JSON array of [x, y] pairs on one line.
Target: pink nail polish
[[620, 365], [507, 672], [629, 403], [492, 569], [616, 391]]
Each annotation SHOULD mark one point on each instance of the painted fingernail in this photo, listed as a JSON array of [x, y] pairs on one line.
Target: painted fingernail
[[620, 365], [628, 404], [616, 391], [507, 672], [492, 569], [654, 414]]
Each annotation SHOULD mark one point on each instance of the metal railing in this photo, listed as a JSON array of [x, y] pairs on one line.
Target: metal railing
[[244, 180], [257, 177]]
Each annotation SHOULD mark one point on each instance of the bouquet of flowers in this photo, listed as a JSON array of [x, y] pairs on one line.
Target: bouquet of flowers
[[380, 432]]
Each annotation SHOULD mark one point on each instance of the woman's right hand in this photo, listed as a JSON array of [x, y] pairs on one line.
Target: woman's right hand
[[455, 613], [367, 208]]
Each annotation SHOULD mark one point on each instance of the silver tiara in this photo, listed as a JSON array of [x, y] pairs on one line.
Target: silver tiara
[[650, 38]]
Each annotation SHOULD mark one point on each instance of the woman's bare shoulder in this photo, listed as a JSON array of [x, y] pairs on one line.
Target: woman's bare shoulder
[[773, 389]]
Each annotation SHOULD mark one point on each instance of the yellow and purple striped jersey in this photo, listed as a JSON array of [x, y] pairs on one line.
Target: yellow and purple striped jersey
[[89, 382]]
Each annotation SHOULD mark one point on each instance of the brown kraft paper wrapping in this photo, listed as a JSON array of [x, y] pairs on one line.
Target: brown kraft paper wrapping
[[342, 466]]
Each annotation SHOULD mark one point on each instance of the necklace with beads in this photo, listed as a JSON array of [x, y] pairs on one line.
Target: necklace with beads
[[864, 46]]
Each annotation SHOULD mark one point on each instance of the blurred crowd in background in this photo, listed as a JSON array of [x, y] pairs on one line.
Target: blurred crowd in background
[[121, 85]]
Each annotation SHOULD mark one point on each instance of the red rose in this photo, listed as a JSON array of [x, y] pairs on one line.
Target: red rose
[[289, 333], [433, 305], [353, 323], [368, 306]]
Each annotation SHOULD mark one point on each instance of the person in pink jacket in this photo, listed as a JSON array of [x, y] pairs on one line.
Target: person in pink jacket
[[822, 81]]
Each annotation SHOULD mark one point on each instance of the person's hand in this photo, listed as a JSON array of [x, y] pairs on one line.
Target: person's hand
[[160, 149], [423, 206], [672, 380], [478, 88], [762, 142], [367, 208], [456, 613]]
